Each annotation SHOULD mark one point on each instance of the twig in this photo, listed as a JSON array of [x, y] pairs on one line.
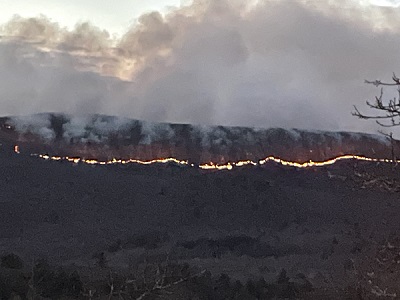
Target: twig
[[158, 287]]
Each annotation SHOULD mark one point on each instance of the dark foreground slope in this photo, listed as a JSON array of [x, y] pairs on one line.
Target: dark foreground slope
[[325, 227]]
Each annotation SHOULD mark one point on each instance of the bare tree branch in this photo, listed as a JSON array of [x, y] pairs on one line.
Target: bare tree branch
[[386, 110], [158, 287]]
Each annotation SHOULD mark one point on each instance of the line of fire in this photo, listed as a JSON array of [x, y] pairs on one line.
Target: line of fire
[[211, 165]]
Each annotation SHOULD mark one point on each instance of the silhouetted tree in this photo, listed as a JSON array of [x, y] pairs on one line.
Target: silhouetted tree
[[385, 110]]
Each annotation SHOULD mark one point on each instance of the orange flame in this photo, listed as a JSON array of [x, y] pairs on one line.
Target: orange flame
[[211, 165]]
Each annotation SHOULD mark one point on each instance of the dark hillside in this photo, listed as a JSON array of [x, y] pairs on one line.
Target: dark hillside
[[247, 223], [104, 138]]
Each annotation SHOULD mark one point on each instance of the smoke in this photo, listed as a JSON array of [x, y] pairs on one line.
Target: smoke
[[265, 63], [35, 124]]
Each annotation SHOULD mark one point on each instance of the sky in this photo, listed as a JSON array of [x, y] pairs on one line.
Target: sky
[[387, 3], [264, 63], [108, 15], [115, 18]]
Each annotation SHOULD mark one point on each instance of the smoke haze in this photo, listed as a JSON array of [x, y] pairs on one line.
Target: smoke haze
[[284, 64]]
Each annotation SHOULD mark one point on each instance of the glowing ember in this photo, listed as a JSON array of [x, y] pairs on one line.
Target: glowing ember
[[211, 165]]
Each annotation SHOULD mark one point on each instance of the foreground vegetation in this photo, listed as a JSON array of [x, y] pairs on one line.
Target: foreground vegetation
[[149, 281]]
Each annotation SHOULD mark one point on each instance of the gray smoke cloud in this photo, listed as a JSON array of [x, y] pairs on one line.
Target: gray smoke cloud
[[265, 63]]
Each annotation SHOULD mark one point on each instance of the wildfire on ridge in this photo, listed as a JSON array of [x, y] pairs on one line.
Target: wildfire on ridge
[[211, 165]]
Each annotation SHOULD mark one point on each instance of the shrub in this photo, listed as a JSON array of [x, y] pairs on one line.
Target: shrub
[[151, 240], [12, 261], [115, 247], [54, 284]]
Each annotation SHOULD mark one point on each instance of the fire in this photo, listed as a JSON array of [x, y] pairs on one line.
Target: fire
[[323, 163], [114, 161], [211, 165]]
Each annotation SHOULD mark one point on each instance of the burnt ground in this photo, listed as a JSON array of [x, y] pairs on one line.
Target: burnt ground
[[327, 226]]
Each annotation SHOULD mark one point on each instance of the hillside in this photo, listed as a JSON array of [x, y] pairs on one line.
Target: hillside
[[104, 138], [266, 231], [324, 226]]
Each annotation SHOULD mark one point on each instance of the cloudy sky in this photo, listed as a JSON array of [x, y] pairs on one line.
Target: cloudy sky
[[286, 63], [116, 18]]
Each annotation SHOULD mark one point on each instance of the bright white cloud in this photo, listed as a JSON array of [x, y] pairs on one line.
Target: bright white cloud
[[114, 16], [388, 3], [382, 3]]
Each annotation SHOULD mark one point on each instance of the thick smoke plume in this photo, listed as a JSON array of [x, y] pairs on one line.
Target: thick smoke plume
[[265, 63]]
